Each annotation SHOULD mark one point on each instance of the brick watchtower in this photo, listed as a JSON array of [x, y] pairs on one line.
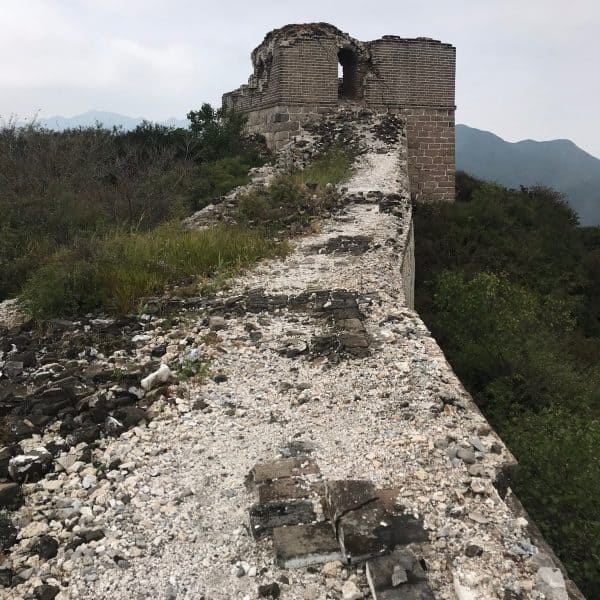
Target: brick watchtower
[[304, 71]]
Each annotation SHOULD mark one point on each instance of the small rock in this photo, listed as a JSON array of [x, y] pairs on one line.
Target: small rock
[[161, 375], [473, 550], [478, 486], [31, 466], [330, 569], [45, 592], [12, 368], [399, 576], [89, 481], [216, 323], [269, 590], [467, 455], [477, 444], [34, 529], [91, 535], [350, 591], [45, 547]]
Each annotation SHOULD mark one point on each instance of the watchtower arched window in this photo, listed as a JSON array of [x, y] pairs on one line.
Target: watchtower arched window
[[349, 85]]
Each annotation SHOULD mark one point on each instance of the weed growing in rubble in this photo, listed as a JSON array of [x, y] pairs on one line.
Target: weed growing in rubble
[[292, 201], [334, 167]]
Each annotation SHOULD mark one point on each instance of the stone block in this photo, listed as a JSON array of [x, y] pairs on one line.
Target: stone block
[[347, 495], [305, 545], [398, 576], [281, 136], [266, 517], [359, 532], [284, 489], [377, 528], [285, 467]]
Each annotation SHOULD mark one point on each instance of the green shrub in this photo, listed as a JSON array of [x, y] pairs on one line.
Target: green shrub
[[283, 205], [215, 179], [560, 477], [508, 284], [116, 271], [56, 187]]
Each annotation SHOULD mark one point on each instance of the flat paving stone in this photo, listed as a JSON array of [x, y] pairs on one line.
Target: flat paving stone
[[288, 488], [265, 517], [398, 576], [359, 532], [285, 467], [305, 545]]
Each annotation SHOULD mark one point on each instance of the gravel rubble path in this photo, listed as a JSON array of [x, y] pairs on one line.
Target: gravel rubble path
[[396, 417]]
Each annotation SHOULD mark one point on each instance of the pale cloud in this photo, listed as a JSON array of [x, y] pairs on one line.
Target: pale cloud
[[525, 68]]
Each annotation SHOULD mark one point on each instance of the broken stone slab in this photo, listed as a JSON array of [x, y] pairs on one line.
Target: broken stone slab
[[351, 325], [285, 467], [347, 495], [377, 527], [398, 576], [305, 545], [266, 517]]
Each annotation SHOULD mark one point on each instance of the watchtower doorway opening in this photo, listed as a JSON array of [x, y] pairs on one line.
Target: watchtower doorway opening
[[348, 81]]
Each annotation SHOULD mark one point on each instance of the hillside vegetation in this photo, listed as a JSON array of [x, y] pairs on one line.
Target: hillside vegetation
[[89, 217], [510, 287], [558, 164]]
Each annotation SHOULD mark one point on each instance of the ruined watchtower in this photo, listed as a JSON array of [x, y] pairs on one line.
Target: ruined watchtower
[[304, 71]]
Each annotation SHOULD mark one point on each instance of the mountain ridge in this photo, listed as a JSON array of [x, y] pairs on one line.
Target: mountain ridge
[[559, 164], [106, 118]]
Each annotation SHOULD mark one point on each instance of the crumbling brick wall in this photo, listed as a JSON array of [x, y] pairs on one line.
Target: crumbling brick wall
[[295, 80]]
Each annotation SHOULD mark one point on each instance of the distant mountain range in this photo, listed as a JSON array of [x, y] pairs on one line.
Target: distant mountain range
[[558, 164], [106, 118]]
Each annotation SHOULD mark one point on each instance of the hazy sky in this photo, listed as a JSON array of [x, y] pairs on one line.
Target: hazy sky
[[525, 68]]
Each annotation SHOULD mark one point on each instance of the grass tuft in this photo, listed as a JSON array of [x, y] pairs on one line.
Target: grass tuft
[[116, 271]]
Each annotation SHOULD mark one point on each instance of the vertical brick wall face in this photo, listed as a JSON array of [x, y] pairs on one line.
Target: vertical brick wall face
[[411, 73], [412, 77], [431, 162], [309, 74]]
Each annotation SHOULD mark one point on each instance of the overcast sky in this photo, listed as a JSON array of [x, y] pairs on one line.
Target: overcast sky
[[525, 68]]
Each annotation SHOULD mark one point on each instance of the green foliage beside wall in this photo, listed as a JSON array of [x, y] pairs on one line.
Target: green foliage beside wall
[[61, 191], [509, 285]]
